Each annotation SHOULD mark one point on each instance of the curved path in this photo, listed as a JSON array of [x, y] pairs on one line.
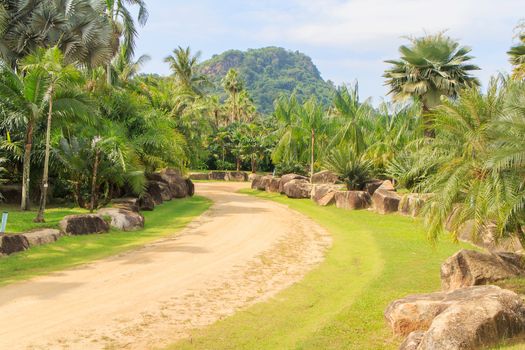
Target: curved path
[[242, 251]]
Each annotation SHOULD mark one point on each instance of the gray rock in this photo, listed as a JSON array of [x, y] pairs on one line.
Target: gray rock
[[273, 185], [42, 236], [83, 224], [412, 341], [13, 243], [122, 219], [387, 186], [412, 203], [352, 200], [199, 176], [146, 202], [217, 175], [127, 203], [471, 268], [324, 194], [385, 201], [372, 185], [239, 176], [289, 177]]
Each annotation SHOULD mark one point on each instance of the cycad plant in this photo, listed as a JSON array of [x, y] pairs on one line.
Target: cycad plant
[[353, 168]]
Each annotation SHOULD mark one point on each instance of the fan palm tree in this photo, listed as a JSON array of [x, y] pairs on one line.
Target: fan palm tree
[[61, 79], [183, 65], [431, 67], [75, 26], [517, 58], [233, 85]]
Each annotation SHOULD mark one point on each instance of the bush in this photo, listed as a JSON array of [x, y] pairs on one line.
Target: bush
[[290, 168]]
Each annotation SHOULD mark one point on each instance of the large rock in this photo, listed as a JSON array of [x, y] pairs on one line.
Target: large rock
[[177, 184], [289, 177], [256, 182], [127, 203], [13, 243], [260, 182], [273, 185], [42, 236], [471, 268], [252, 176], [412, 203], [487, 237], [417, 312], [372, 185], [386, 185], [412, 341], [325, 177], [199, 176], [159, 191], [125, 220], [324, 194], [385, 201], [478, 322], [191, 187], [217, 175], [146, 202], [239, 176], [83, 224], [298, 189], [352, 200]]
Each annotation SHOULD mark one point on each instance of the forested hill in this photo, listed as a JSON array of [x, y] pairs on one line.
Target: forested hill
[[268, 73]]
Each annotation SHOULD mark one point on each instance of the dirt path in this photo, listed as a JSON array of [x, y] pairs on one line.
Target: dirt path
[[244, 250]]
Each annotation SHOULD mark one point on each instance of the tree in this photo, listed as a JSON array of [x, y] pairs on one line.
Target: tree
[[431, 67], [517, 55], [184, 68], [233, 85], [61, 79], [75, 26]]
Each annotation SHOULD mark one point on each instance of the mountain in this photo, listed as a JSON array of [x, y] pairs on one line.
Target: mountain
[[268, 73]]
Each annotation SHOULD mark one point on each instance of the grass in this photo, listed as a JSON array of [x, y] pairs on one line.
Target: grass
[[21, 221], [374, 260], [69, 251]]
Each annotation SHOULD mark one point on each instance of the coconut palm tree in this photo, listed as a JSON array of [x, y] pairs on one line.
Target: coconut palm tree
[[60, 90], [183, 65], [430, 67], [75, 26]]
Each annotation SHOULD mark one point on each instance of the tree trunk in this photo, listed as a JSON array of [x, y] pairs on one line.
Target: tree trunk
[[108, 74], [238, 161], [312, 156], [25, 204], [45, 185], [94, 182], [254, 165], [427, 122], [234, 107]]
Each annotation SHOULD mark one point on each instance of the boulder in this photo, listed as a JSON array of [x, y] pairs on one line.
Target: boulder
[[199, 176], [298, 189], [256, 182], [13, 243], [260, 182], [158, 190], [352, 200], [146, 202], [217, 175], [412, 341], [11, 194], [176, 183], [127, 203], [477, 322], [191, 187], [417, 312], [83, 224], [324, 194], [387, 186], [122, 219], [385, 201], [273, 185], [289, 177], [372, 185], [472, 268], [487, 238], [412, 203], [252, 176], [325, 177], [42, 236], [239, 176]]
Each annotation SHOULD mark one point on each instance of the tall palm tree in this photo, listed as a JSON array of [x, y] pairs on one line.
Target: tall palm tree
[[75, 26], [233, 85], [517, 58], [430, 67], [183, 65], [124, 30], [61, 79]]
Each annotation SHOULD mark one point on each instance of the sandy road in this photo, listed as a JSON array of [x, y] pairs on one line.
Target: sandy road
[[244, 250]]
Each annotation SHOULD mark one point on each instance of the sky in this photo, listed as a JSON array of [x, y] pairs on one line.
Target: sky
[[348, 40]]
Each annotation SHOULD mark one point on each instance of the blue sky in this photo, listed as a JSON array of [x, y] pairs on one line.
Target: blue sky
[[347, 39]]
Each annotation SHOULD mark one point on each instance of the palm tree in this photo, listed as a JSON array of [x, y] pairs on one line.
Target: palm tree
[[125, 68], [61, 79], [75, 26], [233, 85], [124, 31], [431, 67], [517, 58], [184, 68]]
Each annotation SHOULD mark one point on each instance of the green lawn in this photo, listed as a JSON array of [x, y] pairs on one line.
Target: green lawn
[[374, 260], [69, 251], [20, 221]]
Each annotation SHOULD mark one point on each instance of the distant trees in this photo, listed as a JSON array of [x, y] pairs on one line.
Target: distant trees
[[517, 54]]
